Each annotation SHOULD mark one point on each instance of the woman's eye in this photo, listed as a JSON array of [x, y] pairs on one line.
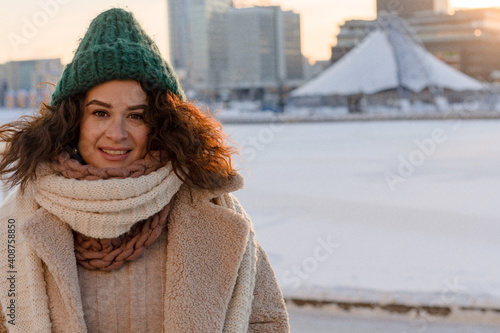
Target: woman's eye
[[136, 116], [99, 113]]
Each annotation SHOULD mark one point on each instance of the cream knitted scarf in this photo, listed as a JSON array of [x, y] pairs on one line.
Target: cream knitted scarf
[[111, 253], [105, 208]]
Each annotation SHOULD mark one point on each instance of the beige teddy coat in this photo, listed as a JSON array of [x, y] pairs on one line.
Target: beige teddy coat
[[218, 277]]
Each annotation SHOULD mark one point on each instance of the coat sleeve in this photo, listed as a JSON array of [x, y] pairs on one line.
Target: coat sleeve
[[269, 314]]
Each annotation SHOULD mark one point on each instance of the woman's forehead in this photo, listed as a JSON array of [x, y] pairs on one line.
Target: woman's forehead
[[117, 92]]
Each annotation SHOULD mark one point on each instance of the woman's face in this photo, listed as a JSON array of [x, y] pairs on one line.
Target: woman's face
[[112, 131]]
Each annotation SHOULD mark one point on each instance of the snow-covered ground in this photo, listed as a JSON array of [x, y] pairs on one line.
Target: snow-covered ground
[[371, 213], [400, 212]]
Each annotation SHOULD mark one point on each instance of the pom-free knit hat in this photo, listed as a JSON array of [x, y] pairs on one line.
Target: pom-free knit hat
[[115, 47]]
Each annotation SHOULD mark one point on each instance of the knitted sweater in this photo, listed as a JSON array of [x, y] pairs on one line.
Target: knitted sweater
[[217, 278], [140, 309]]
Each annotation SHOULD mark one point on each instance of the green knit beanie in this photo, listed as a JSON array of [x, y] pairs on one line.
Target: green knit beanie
[[115, 47]]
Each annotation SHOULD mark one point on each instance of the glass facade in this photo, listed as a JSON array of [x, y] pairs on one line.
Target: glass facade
[[197, 32], [20, 78], [264, 48], [293, 54], [215, 47], [406, 8]]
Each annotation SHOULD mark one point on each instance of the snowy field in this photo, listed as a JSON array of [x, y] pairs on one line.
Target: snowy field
[[378, 212], [383, 212]]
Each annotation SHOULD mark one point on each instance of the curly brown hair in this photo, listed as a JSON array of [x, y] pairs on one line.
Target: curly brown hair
[[184, 134]]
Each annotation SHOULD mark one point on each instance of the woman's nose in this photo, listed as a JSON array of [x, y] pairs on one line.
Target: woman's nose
[[116, 130]]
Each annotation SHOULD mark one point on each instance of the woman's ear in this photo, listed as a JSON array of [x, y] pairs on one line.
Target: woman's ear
[[74, 153]]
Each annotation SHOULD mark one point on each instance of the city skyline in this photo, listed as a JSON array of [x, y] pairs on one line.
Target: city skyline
[[51, 28]]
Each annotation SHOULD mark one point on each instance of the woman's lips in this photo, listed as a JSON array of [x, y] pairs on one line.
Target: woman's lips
[[114, 154]]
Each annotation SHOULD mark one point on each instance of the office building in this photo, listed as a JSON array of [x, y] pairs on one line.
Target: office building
[[198, 42], [22, 82], [407, 8], [3, 84], [264, 51]]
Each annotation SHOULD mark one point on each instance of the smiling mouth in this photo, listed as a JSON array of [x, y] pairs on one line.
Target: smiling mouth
[[115, 152]]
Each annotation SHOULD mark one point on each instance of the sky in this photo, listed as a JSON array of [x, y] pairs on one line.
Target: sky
[[33, 29]]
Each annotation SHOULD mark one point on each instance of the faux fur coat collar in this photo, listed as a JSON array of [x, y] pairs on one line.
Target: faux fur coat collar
[[211, 268]]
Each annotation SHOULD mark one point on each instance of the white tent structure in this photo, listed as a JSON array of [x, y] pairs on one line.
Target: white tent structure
[[386, 59]]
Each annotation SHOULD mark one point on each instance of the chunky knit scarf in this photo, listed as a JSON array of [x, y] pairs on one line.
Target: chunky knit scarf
[[108, 254], [114, 216]]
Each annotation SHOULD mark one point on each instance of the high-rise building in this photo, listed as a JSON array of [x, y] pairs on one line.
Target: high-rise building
[[197, 31], [407, 8], [3, 84], [216, 48], [293, 57], [264, 49]]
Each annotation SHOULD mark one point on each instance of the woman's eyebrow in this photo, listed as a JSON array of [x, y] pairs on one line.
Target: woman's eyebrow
[[137, 107], [130, 108], [98, 102]]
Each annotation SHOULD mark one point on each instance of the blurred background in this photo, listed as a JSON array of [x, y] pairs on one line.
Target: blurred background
[[368, 134]]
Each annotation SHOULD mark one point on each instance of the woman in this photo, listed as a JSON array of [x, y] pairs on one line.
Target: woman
[[123, 220]]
